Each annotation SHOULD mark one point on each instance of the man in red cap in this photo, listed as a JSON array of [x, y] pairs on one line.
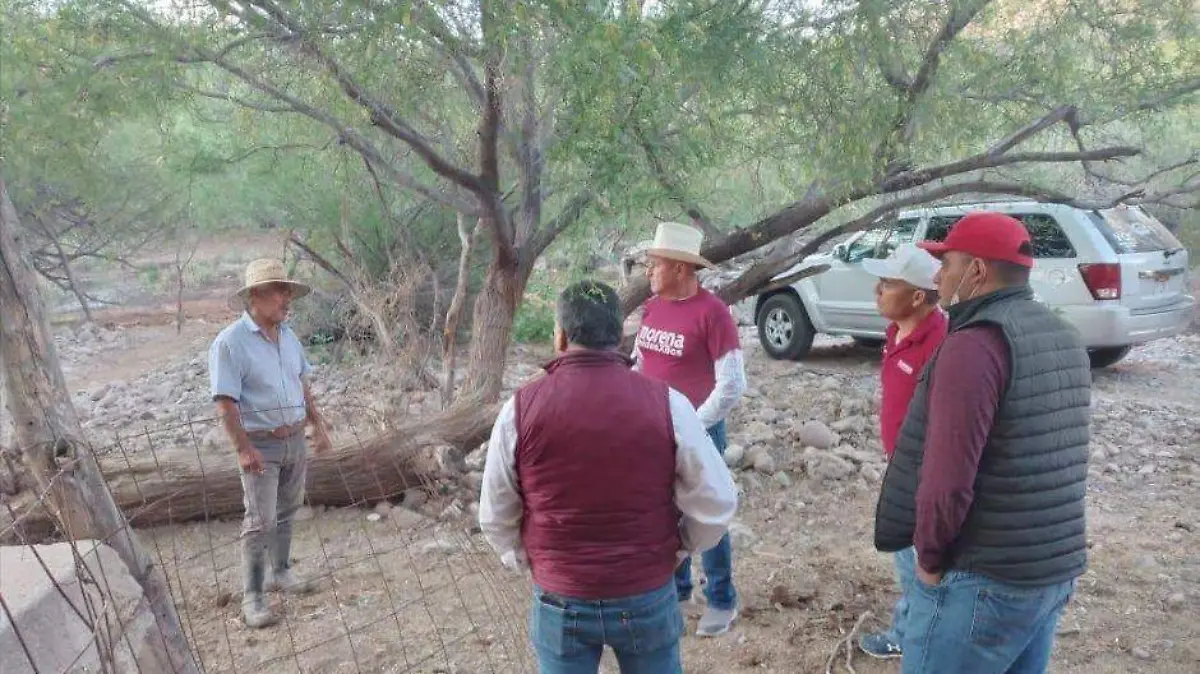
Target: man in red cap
[[988, 478]]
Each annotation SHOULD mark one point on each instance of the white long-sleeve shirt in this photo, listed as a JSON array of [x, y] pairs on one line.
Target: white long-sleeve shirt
[[730, 372], [704, 491]]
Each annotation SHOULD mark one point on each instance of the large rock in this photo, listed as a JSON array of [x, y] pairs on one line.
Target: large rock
[[741, 536], [830, 467], [97, 393], [756, 432], [815, 433], [858, 456], [735, 455], [450, 460], [851, 424], [57, 638], [477, 458], [765, 463]]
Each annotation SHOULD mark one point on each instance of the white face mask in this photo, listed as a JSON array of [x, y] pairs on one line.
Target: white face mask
[[955, 297]]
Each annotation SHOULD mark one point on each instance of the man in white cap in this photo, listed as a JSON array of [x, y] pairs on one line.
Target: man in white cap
[[906, 295], [259, 378], [689, 340]]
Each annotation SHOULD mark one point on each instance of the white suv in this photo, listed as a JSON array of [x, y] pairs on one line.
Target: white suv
[[1119, 276]]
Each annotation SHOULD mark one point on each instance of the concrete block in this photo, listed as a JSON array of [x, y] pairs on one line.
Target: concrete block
[[97, 611]]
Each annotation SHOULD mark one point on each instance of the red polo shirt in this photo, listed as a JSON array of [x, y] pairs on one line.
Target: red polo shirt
[[902, 365]]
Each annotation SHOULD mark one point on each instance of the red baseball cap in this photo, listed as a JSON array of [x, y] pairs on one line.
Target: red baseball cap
[[989, 236]]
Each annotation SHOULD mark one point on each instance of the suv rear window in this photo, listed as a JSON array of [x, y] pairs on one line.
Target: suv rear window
[[1049, 240], [1132, 230]]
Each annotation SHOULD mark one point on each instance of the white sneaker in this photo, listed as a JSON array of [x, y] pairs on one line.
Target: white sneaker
[[716, 622]]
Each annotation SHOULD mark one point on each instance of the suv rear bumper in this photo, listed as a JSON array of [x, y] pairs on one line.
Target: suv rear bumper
[[1114, 325]]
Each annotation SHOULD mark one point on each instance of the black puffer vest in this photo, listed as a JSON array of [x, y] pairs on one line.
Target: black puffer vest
[[1026, 525]]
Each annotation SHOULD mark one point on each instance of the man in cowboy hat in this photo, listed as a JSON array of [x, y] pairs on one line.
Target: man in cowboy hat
[[989, 478], [906, 295], [689, 340], [259, 379]]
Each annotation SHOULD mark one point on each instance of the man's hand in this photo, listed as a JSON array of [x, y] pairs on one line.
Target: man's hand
[[322, 444], [250, 459], [930, 579]]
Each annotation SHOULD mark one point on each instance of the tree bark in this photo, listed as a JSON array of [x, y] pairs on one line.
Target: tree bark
[[179, 268], [491, 326], [466, 238], [182, 485], [51, 438]]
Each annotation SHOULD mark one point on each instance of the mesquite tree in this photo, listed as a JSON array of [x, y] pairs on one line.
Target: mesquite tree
[[529, 117]]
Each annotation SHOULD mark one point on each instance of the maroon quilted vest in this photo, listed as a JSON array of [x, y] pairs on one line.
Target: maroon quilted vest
[[595, 459]]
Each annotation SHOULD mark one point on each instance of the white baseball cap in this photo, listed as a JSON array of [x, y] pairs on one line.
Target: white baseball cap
[[909, 264]]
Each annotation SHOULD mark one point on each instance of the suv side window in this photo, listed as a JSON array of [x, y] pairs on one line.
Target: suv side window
[[879, 243], [1049, 240]]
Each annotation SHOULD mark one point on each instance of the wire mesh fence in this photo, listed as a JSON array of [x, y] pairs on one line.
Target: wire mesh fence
[[403, 581]]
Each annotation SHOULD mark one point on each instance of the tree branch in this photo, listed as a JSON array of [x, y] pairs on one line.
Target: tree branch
[[758, 275], [803, 213], [911, 179], [959, 17], [497, 218], [673, 190], [319, 259], [381, 115], [894, 75], [345, 132], [237, 100], [570, 213], [113, 59], [529, 154], [1162, 100], [1025, 133]]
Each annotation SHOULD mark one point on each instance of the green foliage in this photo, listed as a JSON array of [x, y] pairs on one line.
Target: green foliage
[[534, 321], [736, 108]]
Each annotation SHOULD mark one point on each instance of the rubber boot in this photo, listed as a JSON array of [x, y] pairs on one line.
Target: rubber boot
[[283, 579], [255, 611]]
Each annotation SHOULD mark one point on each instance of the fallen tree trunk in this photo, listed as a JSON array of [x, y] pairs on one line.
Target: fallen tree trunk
[[177, 486]]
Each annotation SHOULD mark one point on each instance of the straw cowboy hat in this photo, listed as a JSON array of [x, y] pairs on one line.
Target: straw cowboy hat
[[261, 272], [674, 241]]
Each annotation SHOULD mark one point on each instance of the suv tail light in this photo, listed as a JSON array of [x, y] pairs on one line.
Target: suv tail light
[[1103, 280]]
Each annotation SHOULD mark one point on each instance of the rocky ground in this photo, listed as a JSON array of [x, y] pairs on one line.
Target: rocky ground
[[420, 593]]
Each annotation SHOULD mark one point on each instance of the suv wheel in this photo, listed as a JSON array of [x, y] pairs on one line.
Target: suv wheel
[[1108, 356], [783, 327]]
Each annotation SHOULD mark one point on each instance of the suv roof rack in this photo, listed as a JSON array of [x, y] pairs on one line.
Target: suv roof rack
[[968, 199]]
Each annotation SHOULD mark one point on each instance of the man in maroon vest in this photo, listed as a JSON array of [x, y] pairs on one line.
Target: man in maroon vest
[[601, 481]]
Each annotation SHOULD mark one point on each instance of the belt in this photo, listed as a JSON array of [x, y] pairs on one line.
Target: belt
[[277, 433]]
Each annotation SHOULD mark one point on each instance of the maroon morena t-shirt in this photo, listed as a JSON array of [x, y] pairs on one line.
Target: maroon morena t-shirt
[[681, 340]]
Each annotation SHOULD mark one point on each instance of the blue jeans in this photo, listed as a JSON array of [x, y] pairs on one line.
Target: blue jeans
[[906, 561], [973, 624], [717, 562], [569, 634]]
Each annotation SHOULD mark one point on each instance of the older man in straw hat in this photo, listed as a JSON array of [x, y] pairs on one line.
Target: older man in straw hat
[[689, 340], [260, 385]]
